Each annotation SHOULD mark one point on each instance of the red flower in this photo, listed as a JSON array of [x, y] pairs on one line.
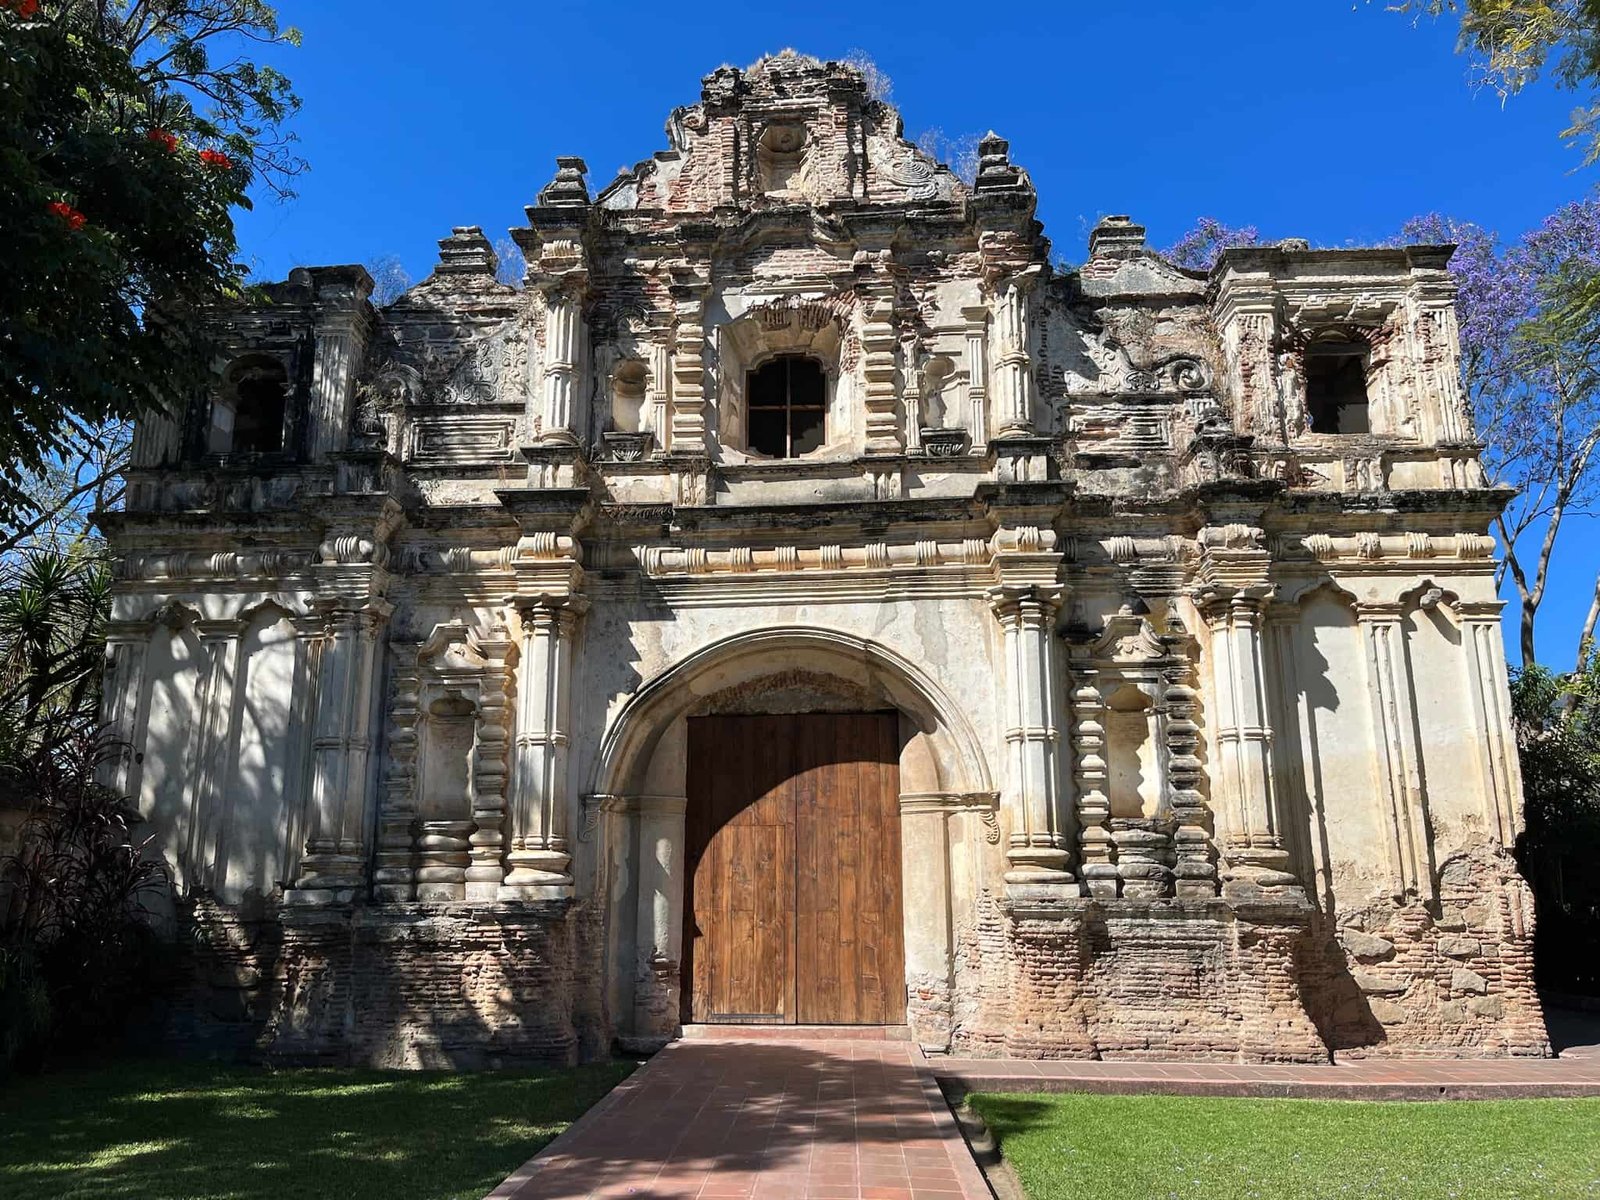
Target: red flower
[[217, 159], [67, 213], [163, 138], [24, 8]]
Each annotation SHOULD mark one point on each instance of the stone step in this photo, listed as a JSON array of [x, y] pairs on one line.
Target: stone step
[[796, 1033]]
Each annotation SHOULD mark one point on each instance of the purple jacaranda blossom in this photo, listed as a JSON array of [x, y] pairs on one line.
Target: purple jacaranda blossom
[[1200, 248]]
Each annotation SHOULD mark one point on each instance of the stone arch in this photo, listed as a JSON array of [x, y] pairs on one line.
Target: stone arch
[[639, 779], [626, 749]]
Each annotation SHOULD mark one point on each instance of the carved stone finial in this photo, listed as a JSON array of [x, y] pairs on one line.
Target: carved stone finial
[[996, 172], [467, 252], [1115, 236], [568, 188]]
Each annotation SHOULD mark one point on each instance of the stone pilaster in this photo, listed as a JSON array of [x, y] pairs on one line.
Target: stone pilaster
[[540, 859], [220, 644], [688, 424], [1402, 814], [1482, 643], [127, 644], [1037, 853], [977, 331], [884, 435], [1232, 598], [334, 866], [657, 977]]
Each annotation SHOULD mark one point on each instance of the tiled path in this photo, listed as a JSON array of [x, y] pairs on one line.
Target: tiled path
[[769, 1120], [726, 1116]]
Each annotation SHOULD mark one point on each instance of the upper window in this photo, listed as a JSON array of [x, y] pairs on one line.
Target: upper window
[[1336, 387], [247, 416], [788, 399]]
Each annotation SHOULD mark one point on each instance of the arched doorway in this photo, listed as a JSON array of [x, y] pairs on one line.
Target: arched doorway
[[792, 906], [641, 798]]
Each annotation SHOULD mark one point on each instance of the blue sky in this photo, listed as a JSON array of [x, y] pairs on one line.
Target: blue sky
[[1324, 119]]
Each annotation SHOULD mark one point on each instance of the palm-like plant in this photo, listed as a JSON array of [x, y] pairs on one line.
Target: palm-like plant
[[53, 609]]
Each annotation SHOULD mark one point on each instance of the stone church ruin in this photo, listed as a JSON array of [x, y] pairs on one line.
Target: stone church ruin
[[801, 602]]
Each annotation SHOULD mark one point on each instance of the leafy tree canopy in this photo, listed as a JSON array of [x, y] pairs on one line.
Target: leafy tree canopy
[[130, 132], [1517, 41]]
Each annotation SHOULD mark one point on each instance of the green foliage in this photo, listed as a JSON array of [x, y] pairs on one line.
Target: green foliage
[[130, 132], [1515, 42], [172, 1131], [1190, 1148], [53, 608], [1557, 720]]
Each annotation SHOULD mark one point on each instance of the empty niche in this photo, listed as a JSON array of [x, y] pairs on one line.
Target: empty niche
[[445, 806], [780, 156], [628, 381], [1131, 764]]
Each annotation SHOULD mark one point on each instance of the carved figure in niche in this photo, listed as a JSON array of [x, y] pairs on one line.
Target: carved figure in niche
[[1291, 394]]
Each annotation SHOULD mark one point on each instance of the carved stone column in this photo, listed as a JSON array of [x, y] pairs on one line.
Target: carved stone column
[[977, 329], [490, 768], [1013, 366], [660, 914], [688, 431], [1481, 642], [1038, 851], [334, 866], [1096, 849], [540, 857], [563, 352], [341, 342], [878, 366], [394, 873], [1403, 814]]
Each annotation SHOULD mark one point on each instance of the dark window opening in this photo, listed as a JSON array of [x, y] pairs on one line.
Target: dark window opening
[[788, 399], [247, 416], [1336, 388]]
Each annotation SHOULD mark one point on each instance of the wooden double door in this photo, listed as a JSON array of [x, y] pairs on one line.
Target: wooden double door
[[793, 838]]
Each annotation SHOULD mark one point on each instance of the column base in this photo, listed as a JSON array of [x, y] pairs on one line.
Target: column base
[[534, 891]]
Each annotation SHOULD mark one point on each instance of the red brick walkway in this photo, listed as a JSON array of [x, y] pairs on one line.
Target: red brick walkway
[[768, 1120], [735, 1115]]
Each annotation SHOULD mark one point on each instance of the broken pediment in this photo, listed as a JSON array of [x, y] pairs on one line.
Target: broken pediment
[[789, 130]]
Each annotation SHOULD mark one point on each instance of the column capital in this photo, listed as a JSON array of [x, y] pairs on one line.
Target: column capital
[[1025, 603]]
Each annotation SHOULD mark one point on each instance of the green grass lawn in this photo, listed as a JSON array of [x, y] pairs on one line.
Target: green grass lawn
[[1087, 1147], [183, 1131]]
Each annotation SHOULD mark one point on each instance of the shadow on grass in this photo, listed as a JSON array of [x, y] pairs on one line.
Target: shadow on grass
[[181, 1131]]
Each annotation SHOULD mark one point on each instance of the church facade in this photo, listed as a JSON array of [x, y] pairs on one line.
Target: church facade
[[801, 602]]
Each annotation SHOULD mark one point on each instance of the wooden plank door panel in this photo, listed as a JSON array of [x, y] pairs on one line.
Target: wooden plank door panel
[[793, 833]]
